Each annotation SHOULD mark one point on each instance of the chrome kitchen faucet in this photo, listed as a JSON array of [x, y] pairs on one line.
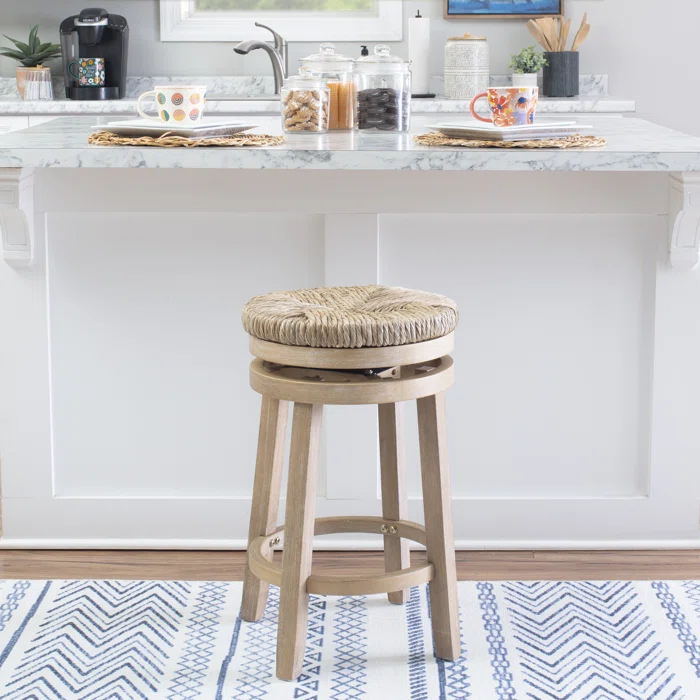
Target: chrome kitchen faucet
[[278, 54]]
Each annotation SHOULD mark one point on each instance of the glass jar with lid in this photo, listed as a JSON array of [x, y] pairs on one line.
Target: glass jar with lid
[[383, 92], [305, 104], [336, 70]]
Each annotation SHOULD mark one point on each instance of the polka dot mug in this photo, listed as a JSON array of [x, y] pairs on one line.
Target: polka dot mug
[[177, 105]]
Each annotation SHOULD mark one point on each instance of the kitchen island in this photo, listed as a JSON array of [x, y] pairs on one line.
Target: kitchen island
[[124, 404]]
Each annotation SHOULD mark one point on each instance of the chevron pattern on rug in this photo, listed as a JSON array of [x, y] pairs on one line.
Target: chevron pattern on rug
[[110, 637], [179, 640], [585, 639]]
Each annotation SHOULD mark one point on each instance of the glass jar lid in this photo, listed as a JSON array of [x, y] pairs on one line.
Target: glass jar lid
[[327, 61], [382, 62], [304, 81]]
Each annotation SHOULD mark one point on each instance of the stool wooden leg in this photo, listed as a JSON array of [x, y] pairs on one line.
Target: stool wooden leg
[[439, 528], [298, 536], [394, 498], [266, 496]]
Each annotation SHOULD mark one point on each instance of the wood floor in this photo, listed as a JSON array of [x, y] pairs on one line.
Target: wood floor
[[228, 566]]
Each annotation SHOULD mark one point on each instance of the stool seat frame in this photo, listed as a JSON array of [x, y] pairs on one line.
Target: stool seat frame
[[310, 378]]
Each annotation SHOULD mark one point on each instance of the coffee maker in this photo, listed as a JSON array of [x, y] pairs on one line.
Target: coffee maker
[[94, 33]]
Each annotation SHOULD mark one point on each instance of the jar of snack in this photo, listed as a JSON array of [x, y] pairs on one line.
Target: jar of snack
[[383, 92], [336, 71], [305, 104]]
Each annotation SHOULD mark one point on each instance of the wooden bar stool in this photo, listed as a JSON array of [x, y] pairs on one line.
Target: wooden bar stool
[[349, 345]]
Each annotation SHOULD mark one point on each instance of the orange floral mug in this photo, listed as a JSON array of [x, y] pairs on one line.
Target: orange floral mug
[[509, 106]]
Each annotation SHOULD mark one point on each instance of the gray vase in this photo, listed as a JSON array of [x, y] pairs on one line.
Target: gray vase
[[560, 76]]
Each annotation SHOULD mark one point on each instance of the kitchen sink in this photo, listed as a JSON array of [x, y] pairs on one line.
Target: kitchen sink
[[243, 98]]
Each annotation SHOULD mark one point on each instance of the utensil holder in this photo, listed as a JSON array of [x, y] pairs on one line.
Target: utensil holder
[[560, 75]]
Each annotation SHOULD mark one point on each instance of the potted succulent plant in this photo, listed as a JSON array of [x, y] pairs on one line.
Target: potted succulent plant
[[31, 56], [526, 65]]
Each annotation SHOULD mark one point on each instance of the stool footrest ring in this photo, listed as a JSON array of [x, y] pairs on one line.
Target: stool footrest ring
[[260, 553]]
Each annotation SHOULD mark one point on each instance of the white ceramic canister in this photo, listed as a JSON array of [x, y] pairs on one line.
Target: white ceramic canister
[[466, 66]]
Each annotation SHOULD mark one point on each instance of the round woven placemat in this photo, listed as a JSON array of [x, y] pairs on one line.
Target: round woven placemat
[[105, 138], [575, 141]]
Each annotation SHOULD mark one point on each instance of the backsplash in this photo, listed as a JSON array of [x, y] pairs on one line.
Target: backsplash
[[218, 85], [589, 85]]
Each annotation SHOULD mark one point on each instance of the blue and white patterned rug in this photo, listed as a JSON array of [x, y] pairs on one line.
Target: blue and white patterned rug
[[180, 640]]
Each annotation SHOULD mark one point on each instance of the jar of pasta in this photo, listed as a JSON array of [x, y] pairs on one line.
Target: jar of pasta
[[305, 104], [336, 71]]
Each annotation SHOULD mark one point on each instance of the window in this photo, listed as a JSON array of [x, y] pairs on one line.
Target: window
[[296, 20], [289, 5]]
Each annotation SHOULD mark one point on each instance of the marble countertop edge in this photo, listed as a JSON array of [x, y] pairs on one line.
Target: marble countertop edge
[[598, 160]]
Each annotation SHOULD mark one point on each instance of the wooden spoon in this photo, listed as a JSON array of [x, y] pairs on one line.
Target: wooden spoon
[[580, 36], [553, 34], [544, 26], [576, 38], [538, 34], [564, 37]]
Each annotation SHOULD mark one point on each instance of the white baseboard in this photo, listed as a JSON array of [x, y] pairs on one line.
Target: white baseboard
[[350, 545]]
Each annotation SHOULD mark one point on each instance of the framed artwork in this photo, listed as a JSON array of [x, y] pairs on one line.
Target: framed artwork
[[462, 9]]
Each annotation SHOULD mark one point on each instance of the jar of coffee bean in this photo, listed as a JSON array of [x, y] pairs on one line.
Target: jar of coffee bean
[[383, 90]]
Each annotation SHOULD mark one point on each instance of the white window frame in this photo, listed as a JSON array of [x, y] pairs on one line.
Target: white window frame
[[180, 21]]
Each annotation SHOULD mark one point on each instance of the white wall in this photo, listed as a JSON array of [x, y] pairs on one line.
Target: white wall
[[648, 50]]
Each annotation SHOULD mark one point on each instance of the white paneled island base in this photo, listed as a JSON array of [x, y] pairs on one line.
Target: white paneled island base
[[126, 419]]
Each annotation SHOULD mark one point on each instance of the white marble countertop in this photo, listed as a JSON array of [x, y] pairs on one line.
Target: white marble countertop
[[593, 104], [633, 145]]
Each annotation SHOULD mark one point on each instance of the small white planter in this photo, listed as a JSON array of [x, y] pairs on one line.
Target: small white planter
[[524, 79]]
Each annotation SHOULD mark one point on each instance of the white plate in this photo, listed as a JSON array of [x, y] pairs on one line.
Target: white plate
[[489, 132], [204, 129], [482, 126]]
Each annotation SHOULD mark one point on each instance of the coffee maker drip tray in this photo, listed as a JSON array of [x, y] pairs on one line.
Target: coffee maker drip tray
[[93, 93]]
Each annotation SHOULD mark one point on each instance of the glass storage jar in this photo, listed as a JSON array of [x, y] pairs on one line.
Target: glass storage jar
[[336, 70], [305, 101], [382, 92]]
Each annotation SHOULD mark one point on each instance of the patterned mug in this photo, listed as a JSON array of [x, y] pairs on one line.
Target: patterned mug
[[509, 106], [179, 104], [89, 72]]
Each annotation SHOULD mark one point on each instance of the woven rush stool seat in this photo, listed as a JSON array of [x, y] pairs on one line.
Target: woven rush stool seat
[[350, 317], [349, 345]]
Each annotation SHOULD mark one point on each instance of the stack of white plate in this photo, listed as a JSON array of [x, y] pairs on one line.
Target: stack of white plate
[[207, 128], [526, 132]]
